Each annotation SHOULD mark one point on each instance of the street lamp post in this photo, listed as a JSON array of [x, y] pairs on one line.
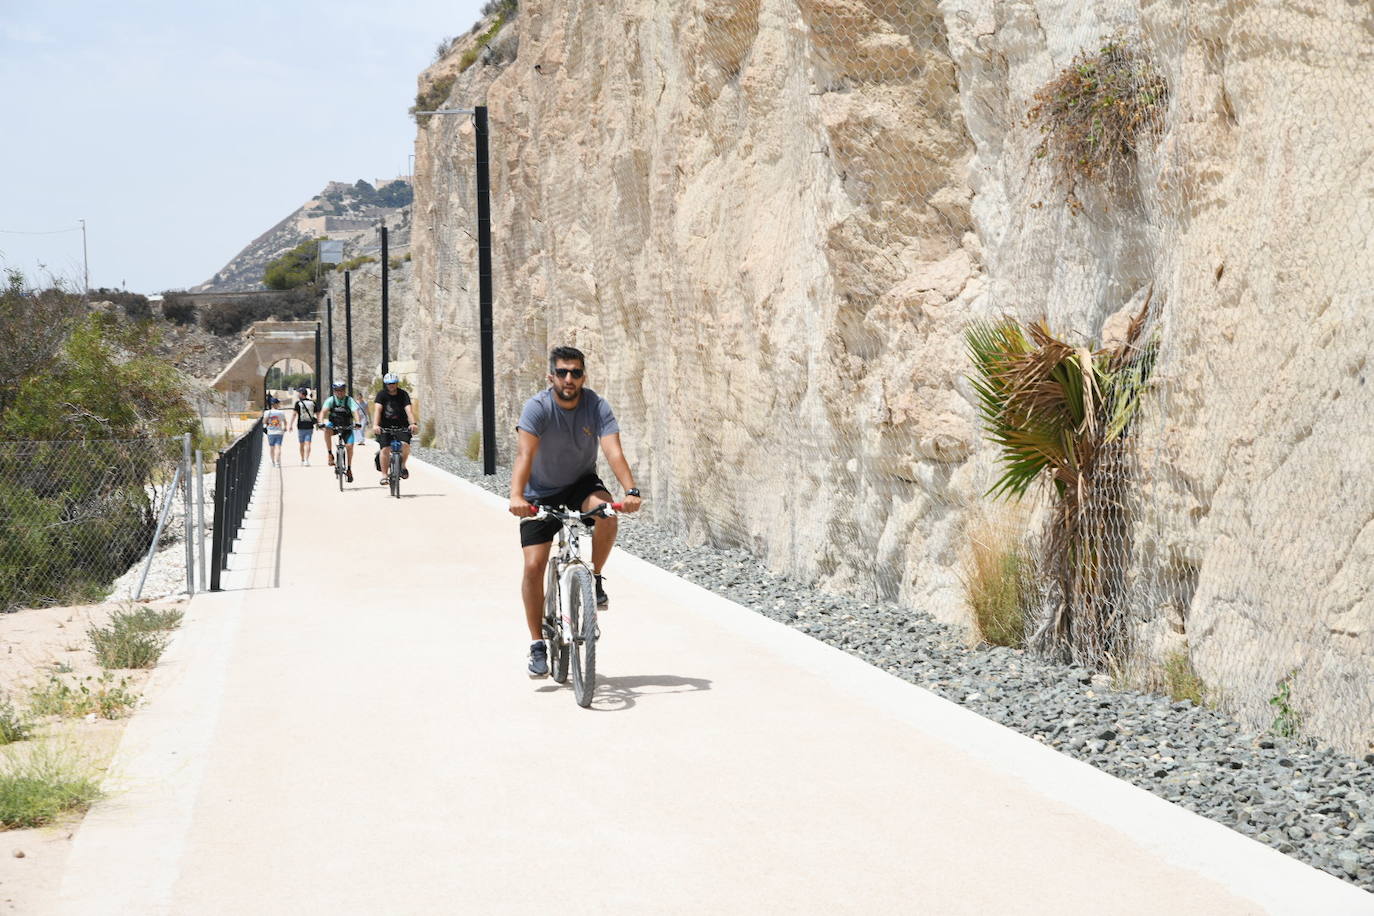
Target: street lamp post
[[85, 262], [484, 280]]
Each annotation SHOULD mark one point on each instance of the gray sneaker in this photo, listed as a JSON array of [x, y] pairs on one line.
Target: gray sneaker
[[539, 659]]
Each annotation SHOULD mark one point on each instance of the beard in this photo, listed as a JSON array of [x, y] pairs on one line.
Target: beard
[[565, 394]]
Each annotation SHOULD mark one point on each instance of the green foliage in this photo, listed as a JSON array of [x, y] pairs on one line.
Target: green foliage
[[298, 267], [33, 327], [1093, 115], [1288, 722], [38, 786], [13, 725], [359, 261], [132, 640], [474, 448], [427, 434], [75, 504], [288, 380], [106, 381], [432, 97], [1181, 681], [1063, 412], [89, 695]]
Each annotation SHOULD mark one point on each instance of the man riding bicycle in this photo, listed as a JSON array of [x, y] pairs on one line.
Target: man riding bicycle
[[341, 412], [393, 419], [555, 465]]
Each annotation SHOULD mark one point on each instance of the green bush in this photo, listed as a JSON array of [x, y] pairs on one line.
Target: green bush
[[432, 96], [132, 640], [38, 786], [359, 261], [298, 267], [13, 725], [76, 503]]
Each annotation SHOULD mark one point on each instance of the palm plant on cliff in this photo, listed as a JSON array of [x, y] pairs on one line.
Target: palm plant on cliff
[[1064, 413]]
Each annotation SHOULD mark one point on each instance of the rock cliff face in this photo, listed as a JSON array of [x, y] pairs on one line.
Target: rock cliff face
[[768, 223]]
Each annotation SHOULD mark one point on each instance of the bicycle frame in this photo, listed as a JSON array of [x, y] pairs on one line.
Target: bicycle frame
[[395, 448]]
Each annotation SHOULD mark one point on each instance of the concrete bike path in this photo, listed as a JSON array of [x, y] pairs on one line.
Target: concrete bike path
[[361, 738]]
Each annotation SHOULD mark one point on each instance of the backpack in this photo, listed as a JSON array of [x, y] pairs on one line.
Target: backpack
[[305, 410], [340, 414]]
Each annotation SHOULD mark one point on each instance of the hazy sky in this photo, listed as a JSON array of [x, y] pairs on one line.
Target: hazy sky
[[180, 131]]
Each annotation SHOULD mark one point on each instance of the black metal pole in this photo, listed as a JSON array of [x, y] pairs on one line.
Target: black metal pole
[[316, 386], [348, 327], [386, 353], [329, 323], [484, 294]]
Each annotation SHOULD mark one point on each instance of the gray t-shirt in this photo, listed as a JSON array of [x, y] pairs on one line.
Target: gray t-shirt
[[568, 439]]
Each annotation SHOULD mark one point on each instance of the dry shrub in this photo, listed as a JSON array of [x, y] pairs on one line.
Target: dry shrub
[[994, 575], [1092, 116]]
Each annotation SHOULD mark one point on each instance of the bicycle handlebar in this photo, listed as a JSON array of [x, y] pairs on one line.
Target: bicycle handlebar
[[330, 425], [605, 510]]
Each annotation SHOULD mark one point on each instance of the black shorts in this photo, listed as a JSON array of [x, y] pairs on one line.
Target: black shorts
[[542, 531], [400, 435]]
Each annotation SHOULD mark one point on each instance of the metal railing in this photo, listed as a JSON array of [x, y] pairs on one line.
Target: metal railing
[[236, 471]]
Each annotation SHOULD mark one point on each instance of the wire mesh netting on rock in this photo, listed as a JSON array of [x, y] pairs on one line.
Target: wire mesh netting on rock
[[770, 224]]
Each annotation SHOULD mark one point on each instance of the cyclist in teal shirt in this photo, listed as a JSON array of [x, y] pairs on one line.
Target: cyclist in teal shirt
[[341, 412], [560, 431]]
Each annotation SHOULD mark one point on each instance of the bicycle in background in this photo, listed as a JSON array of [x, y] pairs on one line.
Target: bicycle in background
[[341, 468], [570, 602]]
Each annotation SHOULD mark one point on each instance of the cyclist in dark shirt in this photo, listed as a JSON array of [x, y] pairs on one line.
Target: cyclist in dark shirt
[[393, 418]]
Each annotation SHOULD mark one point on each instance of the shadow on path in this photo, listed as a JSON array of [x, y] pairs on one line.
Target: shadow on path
[[614, 694]]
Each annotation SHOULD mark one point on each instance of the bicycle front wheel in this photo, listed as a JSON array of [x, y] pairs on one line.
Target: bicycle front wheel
[[340, 470], [395, 473], [553, 631], [582, 611]]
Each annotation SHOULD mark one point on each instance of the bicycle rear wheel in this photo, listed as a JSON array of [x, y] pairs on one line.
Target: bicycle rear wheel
[[395, 473], [558, 645], [582, 607]]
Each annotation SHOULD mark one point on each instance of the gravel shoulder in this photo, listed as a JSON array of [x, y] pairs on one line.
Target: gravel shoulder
[[1312, 803]]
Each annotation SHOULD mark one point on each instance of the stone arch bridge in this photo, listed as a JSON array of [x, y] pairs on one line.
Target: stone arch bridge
[[269, 342]]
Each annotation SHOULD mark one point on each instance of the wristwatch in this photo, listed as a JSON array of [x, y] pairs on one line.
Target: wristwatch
[[633, 491]]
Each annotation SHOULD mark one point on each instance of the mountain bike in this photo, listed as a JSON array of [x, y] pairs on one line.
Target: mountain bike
[[393, 468], [341, 467], [570, 602]]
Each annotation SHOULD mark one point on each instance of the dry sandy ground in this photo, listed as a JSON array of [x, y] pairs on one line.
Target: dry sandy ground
[[36, 645]]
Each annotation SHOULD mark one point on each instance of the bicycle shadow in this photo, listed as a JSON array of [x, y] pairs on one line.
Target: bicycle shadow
[[615, 694]]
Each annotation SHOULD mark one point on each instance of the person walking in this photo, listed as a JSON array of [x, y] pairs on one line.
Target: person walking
[[305, 423], [274, 425], [559, 432]]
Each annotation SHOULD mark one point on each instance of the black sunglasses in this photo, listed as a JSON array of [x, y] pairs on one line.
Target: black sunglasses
[[563, 373]]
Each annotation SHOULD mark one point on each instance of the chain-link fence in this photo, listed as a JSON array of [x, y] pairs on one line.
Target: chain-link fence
[[771, 224], [76, 516]]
